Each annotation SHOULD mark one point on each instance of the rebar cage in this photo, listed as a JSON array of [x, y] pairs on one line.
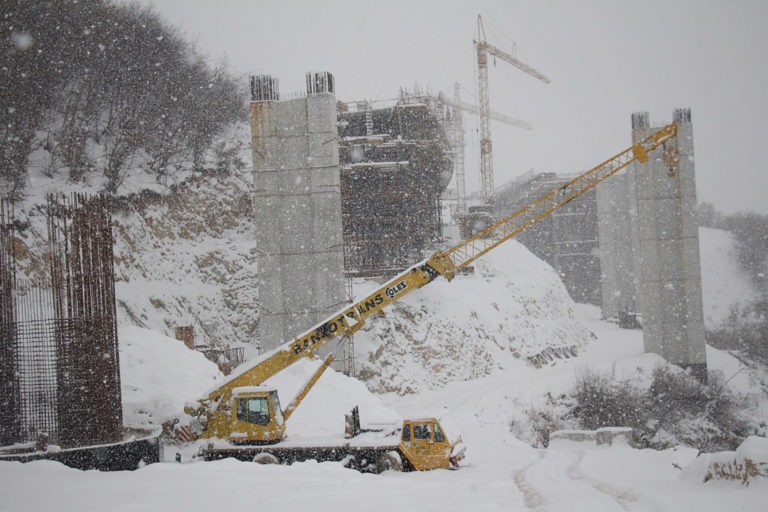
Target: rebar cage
[[59, 364]]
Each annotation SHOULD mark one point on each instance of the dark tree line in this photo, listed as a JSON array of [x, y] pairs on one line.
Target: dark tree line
[[94, 82]]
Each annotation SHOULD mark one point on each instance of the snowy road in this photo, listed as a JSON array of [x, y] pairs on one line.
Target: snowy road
[[567, 477]]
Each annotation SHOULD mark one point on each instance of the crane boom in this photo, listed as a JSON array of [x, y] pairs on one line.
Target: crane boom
[[469, 250], [508, 57], [472, 109], [446, 263]]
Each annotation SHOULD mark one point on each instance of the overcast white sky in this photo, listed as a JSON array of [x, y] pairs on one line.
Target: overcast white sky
[[605, 58]]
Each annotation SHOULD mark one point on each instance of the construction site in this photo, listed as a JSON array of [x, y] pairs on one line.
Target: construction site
[[351, 190]]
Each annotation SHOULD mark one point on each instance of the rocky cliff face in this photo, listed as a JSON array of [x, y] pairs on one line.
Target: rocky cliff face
[[188, 258]]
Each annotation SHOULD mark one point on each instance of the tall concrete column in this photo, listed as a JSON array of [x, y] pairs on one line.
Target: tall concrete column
[[297, 207], [668, 250], [616, 226]]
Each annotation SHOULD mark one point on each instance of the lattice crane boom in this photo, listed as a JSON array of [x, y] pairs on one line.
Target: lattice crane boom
[[464, 253]]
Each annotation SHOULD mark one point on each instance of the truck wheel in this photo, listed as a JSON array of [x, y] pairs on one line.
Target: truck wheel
[[265, 458], [389, 460]]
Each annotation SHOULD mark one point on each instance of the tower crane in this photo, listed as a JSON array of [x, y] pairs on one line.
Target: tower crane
[[457, 138], [484, 48]]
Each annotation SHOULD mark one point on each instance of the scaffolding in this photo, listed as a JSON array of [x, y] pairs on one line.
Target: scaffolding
[[396, 161]]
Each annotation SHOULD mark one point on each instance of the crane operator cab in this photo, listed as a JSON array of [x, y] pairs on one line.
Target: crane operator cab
[[256, 416]]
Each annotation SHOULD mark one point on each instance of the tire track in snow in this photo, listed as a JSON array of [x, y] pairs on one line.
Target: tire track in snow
[[531, 498], [555, 483], [624, 497]]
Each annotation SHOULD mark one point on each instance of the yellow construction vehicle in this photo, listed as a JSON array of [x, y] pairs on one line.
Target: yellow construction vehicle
[[248, 415]]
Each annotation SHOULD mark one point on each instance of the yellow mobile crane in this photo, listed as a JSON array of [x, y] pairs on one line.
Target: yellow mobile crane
[[248, 415]]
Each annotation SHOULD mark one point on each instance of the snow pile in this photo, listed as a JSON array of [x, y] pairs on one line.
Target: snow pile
[[514, 308], [322, 411], [723, 283], [159, 375]]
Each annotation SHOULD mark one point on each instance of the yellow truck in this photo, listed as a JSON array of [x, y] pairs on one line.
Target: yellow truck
[[418, 444]]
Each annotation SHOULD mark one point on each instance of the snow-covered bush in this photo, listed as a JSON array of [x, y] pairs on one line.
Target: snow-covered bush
[[745, 331], [603, 402], [675, 409]]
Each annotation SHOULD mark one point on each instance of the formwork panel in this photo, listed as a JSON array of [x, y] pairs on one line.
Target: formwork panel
[[655, 182], [325, 180], [321, 113], [663, 220], [288, 120], [291, 154], [265, 183], [671, 266], [323, 148]]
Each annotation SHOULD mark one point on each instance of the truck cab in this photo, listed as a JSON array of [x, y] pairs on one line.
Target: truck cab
[[425, 445]]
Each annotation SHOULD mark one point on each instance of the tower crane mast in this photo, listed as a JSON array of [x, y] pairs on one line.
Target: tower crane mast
[[483, 49], [457, 138]]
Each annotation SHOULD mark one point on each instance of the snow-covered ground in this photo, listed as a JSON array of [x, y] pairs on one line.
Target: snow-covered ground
[[501, 472]]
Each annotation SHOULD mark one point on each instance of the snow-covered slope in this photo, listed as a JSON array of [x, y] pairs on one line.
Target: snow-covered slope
[[159, 375], [186, 259], [512, 311], [514, 307], [723, 284], [183, 246]]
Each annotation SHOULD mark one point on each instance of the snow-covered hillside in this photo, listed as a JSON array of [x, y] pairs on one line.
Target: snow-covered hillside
[[723, 284], [183, 246], [513, 308], [186, 259], [513, 311]]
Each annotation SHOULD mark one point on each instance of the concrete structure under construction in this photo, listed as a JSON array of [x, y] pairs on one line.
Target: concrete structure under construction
[[567, 239], [668, 248], [617, 229], [396, 161], [297, 206]]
